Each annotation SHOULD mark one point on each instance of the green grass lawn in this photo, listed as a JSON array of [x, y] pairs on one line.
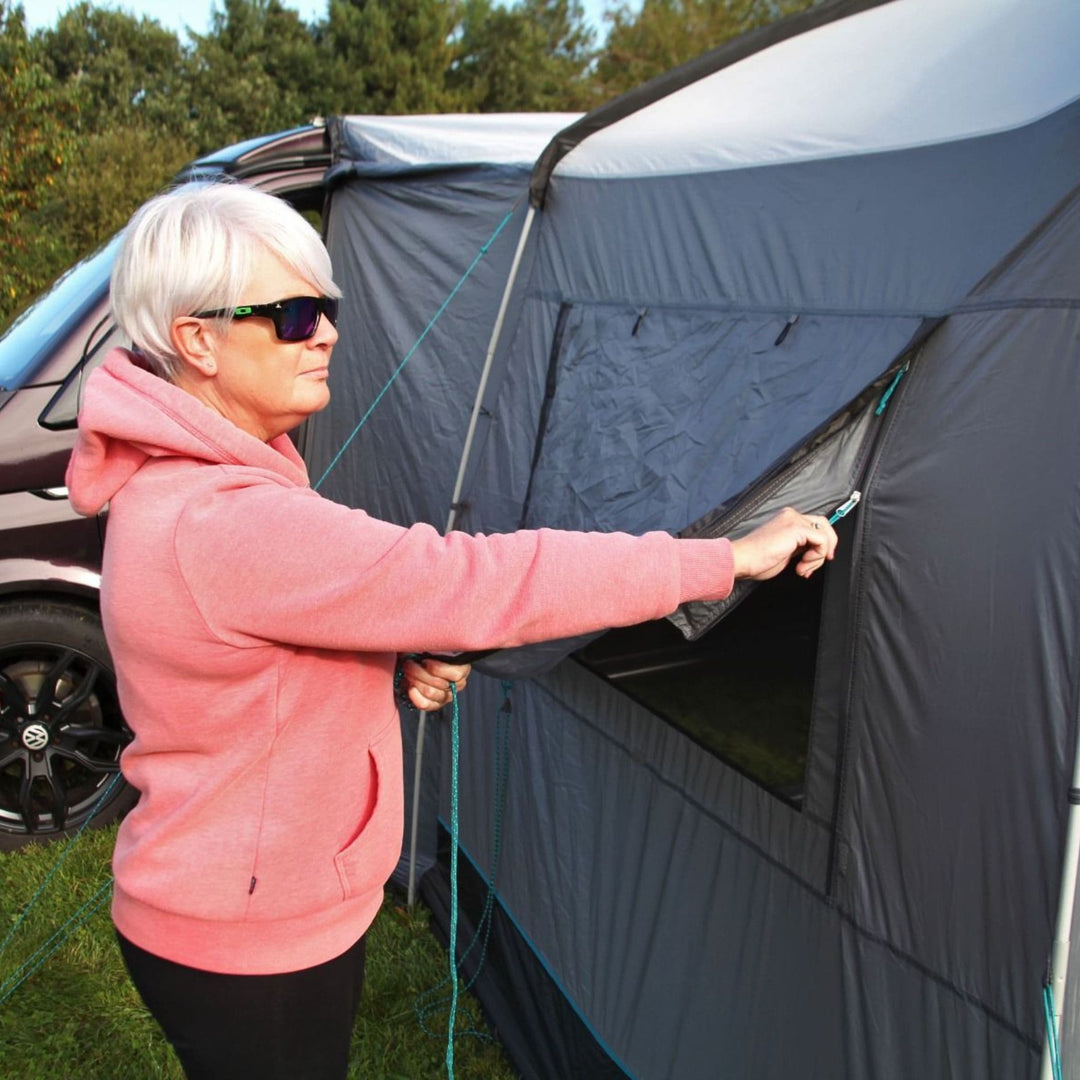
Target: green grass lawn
[[78, 1017]]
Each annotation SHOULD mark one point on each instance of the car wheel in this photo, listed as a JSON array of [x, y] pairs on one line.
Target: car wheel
[[61, 731]]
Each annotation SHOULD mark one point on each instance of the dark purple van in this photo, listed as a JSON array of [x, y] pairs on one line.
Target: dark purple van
[[61, 730]]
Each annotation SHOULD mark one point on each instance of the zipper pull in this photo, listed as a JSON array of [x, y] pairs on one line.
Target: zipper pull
[[892, 386], [845, 508]]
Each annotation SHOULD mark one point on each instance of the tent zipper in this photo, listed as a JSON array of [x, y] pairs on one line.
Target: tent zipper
[[839, 849]]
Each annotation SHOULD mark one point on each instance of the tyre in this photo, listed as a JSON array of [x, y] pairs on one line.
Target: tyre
[[61, 731]]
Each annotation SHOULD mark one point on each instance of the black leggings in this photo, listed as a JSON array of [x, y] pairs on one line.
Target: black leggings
[[295, 1026]]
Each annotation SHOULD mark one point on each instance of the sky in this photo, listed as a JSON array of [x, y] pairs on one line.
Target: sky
[[196, 13], [170, 13]]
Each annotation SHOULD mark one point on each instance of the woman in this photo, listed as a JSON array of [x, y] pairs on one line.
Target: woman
[[256, 626]]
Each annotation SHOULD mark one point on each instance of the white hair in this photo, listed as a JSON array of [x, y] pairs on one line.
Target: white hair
[[192, 249]]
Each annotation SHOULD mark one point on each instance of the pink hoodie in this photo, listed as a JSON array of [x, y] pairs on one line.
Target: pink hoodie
[[255, 627]]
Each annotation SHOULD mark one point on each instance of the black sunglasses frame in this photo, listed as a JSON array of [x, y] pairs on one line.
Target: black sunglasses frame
[[278, 313]]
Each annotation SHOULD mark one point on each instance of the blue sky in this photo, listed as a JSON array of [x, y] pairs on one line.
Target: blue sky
[[196, 13]]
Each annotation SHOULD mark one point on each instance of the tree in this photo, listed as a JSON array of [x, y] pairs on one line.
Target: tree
[[108, 176], [534, 56], [258, 70], [37, 118], [388, 56], [134, 126], [666, 33], [128, 71]]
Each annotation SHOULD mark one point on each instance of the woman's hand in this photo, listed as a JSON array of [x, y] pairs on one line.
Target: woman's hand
[[763, 553], [427, 682]]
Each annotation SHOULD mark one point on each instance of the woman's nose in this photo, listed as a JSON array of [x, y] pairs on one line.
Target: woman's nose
[[325, 333]]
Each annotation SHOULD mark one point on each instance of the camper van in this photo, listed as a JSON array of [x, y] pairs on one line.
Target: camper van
[[61, 729]]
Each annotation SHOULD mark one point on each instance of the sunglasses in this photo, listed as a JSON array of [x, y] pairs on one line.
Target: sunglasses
[[295, 319]]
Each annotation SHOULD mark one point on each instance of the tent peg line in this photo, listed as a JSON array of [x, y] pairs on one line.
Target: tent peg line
[[1053, 1049], [427, 1003], [36, 959]]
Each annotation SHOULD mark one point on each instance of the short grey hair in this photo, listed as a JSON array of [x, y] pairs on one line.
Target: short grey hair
[[192, 249]]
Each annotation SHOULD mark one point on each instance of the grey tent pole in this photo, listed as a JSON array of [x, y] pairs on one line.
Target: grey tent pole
[[1059, 956], [458, 485], [488, 360], [415, 828]]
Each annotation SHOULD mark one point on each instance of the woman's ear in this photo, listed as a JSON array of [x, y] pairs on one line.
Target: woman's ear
[[196, 344]]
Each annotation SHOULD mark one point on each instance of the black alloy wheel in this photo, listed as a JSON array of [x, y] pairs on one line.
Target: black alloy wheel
[[61, 731]]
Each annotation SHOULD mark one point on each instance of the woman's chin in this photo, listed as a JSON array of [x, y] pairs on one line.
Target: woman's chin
[[316, 394]]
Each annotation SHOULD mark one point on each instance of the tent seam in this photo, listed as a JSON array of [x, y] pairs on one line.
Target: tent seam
[[736, 308]]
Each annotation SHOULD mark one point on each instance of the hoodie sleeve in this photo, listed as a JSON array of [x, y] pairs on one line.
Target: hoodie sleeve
[[264, 563]]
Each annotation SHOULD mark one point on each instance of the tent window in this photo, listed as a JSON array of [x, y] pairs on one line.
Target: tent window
[[743, 691]]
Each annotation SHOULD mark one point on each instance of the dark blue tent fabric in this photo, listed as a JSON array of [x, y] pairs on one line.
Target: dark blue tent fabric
[[400, 245], [673, 338]]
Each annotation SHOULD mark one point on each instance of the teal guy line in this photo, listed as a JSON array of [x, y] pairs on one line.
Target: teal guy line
[[1053, 1049], [65, 851], [408, 356], [455, 839], [38, 958]]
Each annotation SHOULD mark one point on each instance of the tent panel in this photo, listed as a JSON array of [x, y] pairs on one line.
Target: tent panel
[[502, 457], [906, 233], [964, 689], [399, 247], [688, 948], [538, 1027], [447, 139], [730, 52], [658, 416], [627, 854], [1038, 272], [901, 1022], [822, 477]]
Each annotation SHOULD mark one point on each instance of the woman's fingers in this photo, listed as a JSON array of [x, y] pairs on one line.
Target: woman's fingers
[[763, 553], [443, 670], [428, 681], [820, 546]]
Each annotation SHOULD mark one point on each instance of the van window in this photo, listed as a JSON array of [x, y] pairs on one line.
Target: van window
[[63, 410], [32, 338]]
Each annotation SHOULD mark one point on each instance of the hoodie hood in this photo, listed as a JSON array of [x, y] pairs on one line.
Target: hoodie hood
[[129, 415]]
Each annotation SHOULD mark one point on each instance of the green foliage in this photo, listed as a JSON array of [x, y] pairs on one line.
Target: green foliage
[[108, 176], [128, 71], [38, 121], [389, 56], [665, 33], [259, 70], [80, 1018], [534, 56]]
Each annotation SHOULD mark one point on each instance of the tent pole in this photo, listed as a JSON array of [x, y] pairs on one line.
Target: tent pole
[[415, 828], [459, 483], [1059, 957], [488, 360]]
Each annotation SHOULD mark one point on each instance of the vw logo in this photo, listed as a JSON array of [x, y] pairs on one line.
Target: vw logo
[[35, 736]]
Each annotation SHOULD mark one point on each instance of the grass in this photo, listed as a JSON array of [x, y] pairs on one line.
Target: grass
[[79, 1018]]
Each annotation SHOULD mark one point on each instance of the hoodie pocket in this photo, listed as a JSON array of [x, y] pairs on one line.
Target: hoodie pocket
[[367, 862]]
